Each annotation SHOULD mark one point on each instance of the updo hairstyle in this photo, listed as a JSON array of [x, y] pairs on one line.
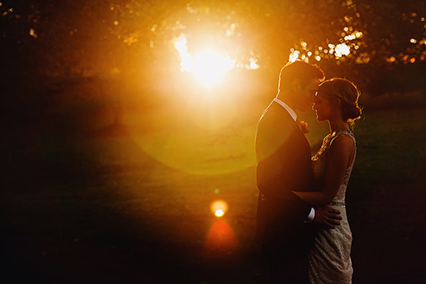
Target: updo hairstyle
[[347, 92]]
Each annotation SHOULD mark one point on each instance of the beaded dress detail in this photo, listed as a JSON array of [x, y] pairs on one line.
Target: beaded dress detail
[[330, 260]]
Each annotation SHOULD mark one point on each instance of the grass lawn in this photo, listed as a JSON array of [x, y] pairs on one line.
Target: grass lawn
[[84, 200]]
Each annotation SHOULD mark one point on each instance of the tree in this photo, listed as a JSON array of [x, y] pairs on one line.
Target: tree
[[82, 38]]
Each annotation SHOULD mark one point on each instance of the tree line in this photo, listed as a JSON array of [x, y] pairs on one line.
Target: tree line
[[64, 41]]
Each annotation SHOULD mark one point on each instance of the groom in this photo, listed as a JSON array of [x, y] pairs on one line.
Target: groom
[[284, 165]]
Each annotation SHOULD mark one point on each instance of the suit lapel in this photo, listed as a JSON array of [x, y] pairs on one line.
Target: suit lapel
[[296, 125], [299, 130]]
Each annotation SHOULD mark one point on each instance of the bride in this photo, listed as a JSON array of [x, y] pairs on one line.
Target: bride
[[337, 102]]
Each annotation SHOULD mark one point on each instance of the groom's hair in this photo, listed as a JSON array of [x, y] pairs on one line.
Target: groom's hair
[[299, 70]]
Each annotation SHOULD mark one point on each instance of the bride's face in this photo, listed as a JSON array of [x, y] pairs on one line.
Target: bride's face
[[325, 109]]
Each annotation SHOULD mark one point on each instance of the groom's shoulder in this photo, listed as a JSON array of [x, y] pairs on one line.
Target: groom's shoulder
[[274, 123], [273, 110]]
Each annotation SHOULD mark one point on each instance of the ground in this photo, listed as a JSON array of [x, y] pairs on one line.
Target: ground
[[88, 198]]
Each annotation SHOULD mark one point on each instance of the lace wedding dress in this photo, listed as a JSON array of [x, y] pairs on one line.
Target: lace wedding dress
[[330, 260]]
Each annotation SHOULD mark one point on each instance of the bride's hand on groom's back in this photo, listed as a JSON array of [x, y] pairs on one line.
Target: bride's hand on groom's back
[[327, 217]]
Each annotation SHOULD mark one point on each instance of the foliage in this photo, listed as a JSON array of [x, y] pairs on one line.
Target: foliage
[[101, 39]]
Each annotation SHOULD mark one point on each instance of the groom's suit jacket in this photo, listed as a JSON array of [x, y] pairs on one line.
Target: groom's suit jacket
[[284, 165]]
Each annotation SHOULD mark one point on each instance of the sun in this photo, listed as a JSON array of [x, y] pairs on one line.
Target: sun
[[208, 66]]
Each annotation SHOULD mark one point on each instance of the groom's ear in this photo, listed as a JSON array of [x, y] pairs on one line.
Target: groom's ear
[[296, 86]]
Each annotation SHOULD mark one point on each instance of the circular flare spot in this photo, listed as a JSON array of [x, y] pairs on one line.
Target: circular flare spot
[[219, 208], [219, 213]]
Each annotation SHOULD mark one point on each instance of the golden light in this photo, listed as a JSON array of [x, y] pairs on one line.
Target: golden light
[[252, 65], [219, 208], [187, 63], [193, 133], [33, 33], [219, 213], [342, 49], [391, 59], [208, 66], [294, 55], [353, 36]]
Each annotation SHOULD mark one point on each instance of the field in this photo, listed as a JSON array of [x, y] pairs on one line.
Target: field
[[95, 193]]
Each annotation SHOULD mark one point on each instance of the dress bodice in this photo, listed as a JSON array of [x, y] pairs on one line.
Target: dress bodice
[[319, 162], [330, 261]]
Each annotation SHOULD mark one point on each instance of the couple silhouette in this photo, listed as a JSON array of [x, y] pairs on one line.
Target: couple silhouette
[[301, 222]]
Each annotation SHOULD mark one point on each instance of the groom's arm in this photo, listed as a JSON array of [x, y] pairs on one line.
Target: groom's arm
[[271, 151], [311, 216]]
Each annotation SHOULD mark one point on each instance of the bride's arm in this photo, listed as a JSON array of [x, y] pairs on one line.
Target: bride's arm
[[339, 157]]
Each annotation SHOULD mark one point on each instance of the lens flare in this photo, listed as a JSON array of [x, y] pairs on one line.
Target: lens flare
[[219, 208], [219, 213], [220, 240]]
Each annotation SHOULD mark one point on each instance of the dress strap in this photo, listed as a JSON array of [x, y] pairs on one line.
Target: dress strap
[[342, 132]]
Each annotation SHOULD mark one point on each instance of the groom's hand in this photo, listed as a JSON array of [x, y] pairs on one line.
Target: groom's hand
[[327, 217]]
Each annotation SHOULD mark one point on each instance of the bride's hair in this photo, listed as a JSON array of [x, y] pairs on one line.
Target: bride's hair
[[347, 92]]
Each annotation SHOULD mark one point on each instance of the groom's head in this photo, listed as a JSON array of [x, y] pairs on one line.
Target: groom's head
[[298, 84]]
